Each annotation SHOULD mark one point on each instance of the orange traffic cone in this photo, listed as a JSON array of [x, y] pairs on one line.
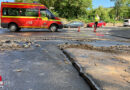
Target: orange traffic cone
[[78, 29]]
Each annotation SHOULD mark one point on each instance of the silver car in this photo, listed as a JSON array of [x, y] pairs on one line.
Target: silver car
[[127, 22]]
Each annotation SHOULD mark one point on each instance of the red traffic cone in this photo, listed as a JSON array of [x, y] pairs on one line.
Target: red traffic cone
[[1, 82], [94, 29], [79, 29]]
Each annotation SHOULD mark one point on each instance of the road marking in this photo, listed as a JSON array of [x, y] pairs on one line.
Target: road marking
[[99, 34]]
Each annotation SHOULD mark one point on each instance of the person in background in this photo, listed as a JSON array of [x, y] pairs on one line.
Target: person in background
[[97, 18]]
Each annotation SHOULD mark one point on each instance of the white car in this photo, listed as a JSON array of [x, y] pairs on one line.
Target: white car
[[127, 22]]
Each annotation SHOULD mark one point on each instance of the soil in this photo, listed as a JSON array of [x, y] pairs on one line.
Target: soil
[[112, 24], [111, 71], [16, 44]]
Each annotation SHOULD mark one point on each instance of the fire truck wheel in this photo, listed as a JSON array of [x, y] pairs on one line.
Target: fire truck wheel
[[13, 27], [53, 28]]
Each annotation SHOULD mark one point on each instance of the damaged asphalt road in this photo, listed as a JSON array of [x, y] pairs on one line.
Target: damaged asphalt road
[[31, 60], [41, 67]]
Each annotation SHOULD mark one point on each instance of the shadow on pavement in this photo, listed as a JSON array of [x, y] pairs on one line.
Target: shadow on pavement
[[121, 33]]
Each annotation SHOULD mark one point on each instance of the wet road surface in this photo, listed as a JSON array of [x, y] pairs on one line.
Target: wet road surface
[[112, 33], [39, 68]]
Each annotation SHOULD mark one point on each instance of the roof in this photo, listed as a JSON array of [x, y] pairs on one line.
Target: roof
[[16, 4]]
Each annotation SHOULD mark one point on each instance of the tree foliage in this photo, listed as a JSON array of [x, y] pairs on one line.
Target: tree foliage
[[65, 8], [69, 8], [102, 12], [121, 9], [26, 1]]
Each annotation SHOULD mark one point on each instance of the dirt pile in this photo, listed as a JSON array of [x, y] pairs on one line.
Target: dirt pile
[[15, 44], [116, 48]]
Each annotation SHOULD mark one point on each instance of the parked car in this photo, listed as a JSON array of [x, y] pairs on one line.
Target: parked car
[[100, 24], [74, 24], [127, 22]]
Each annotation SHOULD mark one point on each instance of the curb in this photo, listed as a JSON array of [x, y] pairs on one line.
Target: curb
[[78, 67]]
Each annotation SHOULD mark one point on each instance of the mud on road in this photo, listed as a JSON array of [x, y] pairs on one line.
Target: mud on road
[[107, 66]]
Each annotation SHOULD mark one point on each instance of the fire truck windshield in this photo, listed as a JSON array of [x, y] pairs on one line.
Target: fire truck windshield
[[46, 13]]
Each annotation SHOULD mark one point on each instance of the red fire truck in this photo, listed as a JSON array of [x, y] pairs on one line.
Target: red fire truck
[[15, 16]]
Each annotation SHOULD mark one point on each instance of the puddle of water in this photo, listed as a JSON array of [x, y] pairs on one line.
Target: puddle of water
[[2, 31]]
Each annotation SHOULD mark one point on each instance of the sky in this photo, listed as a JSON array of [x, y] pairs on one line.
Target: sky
[[96, 3], [104, 3], [7, 0]]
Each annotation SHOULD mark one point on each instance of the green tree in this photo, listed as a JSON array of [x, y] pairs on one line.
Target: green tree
[[65, 8], [26, 1], [103, 13], [122, 9], [71, 8]]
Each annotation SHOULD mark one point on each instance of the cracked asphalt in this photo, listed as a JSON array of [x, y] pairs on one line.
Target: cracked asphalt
[[45, 67], [39, 68]]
